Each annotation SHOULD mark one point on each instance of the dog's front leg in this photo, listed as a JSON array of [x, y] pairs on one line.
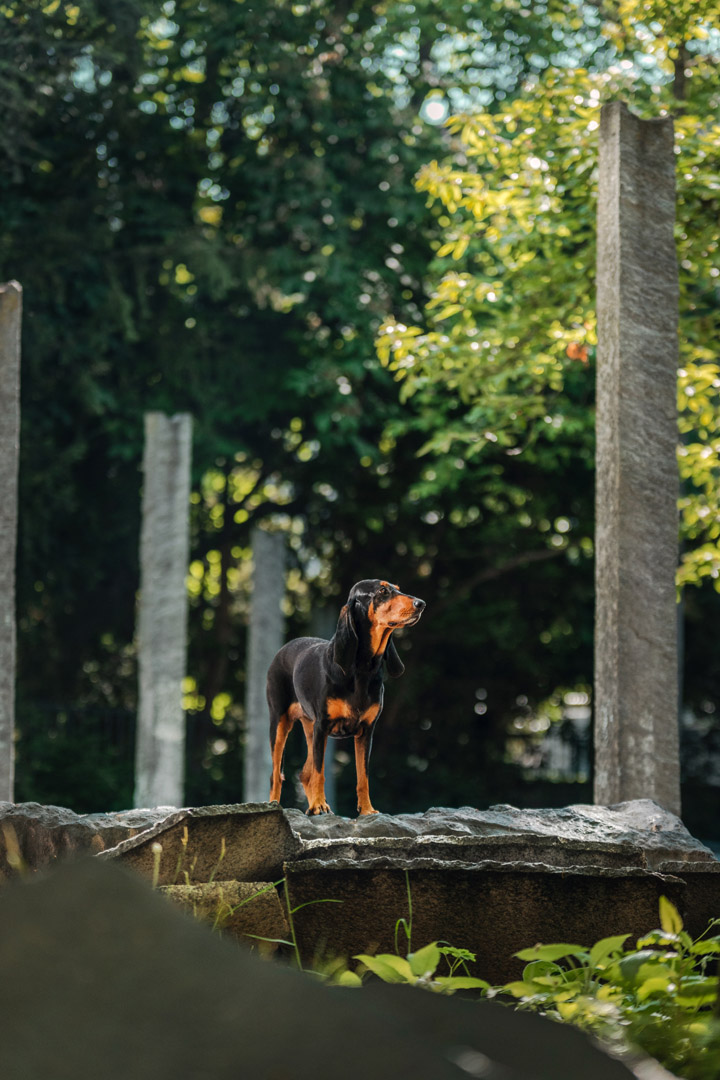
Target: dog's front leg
[[313, 774], [363, 746]]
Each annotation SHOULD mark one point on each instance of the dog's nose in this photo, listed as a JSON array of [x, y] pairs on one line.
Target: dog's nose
[[418, 604]]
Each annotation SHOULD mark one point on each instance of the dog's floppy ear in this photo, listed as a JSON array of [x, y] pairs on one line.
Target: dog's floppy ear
[[395, 665], [345, 642]]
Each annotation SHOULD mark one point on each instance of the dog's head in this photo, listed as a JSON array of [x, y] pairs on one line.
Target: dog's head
[[375, 607], [385, 605]]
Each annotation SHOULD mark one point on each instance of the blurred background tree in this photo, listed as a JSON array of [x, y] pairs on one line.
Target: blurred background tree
[[212, 207], [501, 370]]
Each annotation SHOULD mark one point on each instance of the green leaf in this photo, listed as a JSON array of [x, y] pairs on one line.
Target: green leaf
[[381, 968], [551, 952], [540, 969], [520, 989], [447, 311], [658, 984], [397, 963], [347, 978], [457, 954], [689, 1001], [461, 246], [641, 964], [605, 948], [697, 991], [425, 961], [669, 917], [462, 982], [702, 948]]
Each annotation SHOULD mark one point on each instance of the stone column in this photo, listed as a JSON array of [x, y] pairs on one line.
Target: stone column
[[265, 637], [162, 616], [636, 530], [10, 318]]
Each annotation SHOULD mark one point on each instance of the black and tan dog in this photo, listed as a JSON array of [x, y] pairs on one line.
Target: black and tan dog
[[335, 688]]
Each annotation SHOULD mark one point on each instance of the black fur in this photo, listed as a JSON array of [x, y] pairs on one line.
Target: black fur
[[335, 688]]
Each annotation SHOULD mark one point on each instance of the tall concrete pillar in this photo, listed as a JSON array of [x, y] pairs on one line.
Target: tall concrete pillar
[[266, 636], [636, 531], [162, 616], [10, 318]]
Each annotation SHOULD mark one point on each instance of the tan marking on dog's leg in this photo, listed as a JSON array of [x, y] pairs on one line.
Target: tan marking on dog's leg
[[363, 783], [285, 724], [313, 780], [370, 715]]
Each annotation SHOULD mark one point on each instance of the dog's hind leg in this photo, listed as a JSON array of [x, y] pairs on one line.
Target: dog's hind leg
[[280, 728]]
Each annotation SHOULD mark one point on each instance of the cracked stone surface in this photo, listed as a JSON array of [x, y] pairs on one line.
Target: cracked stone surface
[[244, 842], [260, 837], [637, 834], [38, 835]]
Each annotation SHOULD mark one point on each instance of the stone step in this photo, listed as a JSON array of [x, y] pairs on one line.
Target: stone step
[[248, 910]]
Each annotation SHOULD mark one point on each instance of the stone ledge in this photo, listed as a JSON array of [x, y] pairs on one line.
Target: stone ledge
[[260, 838], [42, 834], [248, 910], [417, 862], [492, 910], [638, 833], [244, 842]]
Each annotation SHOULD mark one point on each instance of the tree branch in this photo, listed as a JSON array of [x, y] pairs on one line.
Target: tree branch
[[491, 573]]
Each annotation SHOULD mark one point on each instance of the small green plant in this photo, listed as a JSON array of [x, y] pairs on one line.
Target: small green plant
[[157, 853], [225, 910], [415, 968], [406, 924], [216, 867], [657, 996], [293, 942], [421, 968]]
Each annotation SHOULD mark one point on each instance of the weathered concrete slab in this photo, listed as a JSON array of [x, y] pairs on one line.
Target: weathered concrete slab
[[247, 910], [637, 834], [492, 910], [121, 985], [244, 842], [499, 880], [36, 835]]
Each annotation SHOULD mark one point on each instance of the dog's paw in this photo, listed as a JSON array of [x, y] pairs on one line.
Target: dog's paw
[[367, 813], [318, 808]]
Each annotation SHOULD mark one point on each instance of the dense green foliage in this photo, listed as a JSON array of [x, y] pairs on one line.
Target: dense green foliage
[[211, 207], [514, 317], [659, 996]]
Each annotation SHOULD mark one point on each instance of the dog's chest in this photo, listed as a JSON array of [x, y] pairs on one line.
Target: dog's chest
[[348, 715]]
